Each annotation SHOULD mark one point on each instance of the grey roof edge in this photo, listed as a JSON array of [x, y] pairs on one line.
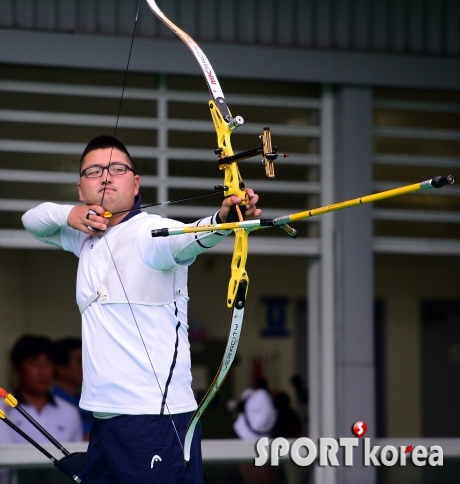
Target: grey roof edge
[[76, 50]]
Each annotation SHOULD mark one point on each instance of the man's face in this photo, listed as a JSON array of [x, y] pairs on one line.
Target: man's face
[[35, 374], [73, 371], [120, 190]]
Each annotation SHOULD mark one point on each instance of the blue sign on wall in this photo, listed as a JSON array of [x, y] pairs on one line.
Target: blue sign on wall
[[275, 316]]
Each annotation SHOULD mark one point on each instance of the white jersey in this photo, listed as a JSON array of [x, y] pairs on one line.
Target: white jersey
[[121, 341]]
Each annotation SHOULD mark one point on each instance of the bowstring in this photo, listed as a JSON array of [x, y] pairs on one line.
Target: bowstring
[[103, 235], [121, 97]]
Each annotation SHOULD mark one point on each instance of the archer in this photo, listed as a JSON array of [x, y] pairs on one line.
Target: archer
[[132, 294]]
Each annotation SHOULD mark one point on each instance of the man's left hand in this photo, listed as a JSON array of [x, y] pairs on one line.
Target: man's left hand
[[252, 212]]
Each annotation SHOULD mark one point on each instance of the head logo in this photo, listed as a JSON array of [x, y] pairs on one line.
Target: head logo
[[155, 458]]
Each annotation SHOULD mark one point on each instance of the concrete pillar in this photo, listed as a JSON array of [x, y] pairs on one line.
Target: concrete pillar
[[341, 344], [354, 271]]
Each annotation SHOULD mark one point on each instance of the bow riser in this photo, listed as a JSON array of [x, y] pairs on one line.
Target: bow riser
[[233, 182], [238, 274]]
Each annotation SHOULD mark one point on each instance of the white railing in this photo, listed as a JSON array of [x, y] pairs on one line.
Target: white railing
[[19, 456]]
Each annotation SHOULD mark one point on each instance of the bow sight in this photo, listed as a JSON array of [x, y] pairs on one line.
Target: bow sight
[[268, 151], [224, 128], [225, 124]]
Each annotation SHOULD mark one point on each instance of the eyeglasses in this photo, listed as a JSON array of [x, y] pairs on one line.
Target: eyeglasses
[[114, 169]]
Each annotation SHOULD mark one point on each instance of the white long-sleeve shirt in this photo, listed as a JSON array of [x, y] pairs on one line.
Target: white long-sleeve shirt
[[117, 374]]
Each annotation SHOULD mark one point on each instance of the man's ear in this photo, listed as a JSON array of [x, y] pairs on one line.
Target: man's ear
[[137, 184], [80, 195]]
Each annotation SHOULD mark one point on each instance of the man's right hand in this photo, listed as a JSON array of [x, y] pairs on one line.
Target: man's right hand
[[80, 219]]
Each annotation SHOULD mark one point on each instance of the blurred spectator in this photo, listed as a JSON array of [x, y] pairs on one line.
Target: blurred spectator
[[67, 355], [301, 395], [288, 423], [256, 417], [300, 389], [256, 413], [34, 368]]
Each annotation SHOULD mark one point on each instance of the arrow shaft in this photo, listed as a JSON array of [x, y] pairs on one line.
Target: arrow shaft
[[250, 225], [352, 203]]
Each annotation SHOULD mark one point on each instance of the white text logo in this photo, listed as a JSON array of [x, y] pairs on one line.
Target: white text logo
[[304, 452]]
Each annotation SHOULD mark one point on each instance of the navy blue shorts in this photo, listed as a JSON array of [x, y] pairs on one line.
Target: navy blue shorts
[[142, 449]]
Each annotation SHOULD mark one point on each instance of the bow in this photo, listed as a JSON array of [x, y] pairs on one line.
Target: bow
[[225, 124]]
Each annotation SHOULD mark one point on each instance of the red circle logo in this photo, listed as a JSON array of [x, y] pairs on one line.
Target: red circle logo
[[359, 429]]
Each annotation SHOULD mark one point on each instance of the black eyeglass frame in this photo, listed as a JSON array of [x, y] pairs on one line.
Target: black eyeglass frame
[[127, 167]]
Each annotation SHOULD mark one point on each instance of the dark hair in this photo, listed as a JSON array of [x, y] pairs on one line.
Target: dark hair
[[103, 142], [62, 349], [30, 346]]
